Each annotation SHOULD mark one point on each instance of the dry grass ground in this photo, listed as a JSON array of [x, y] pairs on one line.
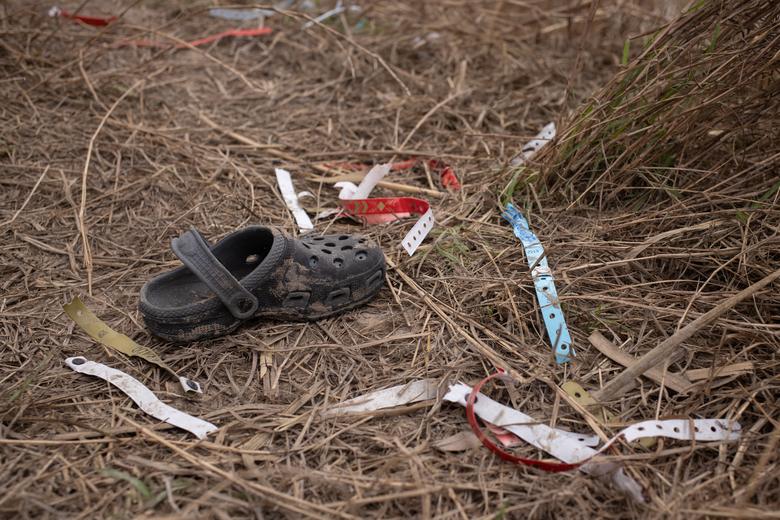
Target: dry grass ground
[[126, 123]]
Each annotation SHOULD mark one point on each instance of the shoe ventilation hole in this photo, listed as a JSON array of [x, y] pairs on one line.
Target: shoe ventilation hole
[[326, 251], [313, 261], [696, 429], [676, 429], [577, 395], [660, 427], [251, 259], [713, 429], [346, 248], [544, 288], [319, 239], [552, 315], [330, 244], [362, 241], [641, 428], [564, 347], [307, 246], [581, 439], [338, 262], [361, 255], [344, 237]]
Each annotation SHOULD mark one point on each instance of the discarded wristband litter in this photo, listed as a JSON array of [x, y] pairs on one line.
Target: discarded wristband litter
[[94, 21], [546, 295], [240, 14], [354, 201], [546, 135], [414, 392], [584, 399], [106, 336], [248, 14], [230, 33], [291, 199], [338, 9], [446, 173], [142, 396], [566, 448], [571, 449]]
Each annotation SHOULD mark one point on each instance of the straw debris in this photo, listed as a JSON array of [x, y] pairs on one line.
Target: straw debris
[[106, 156]]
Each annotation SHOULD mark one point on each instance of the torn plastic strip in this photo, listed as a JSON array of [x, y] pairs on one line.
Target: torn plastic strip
[[108, 337], [142, 396], [412, 392], [546, 295], [284, 181]]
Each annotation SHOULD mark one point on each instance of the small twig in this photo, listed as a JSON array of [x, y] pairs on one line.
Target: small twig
[[677, 383], [83, 207], [24, 204], [625, 380], [428, 114]]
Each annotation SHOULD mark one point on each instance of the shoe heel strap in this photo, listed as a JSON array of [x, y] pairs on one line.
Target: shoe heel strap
[[196, 254]]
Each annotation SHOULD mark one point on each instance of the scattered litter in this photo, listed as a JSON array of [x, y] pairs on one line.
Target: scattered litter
[[338, 9], [510, 440], [547, 296], [142, 396], [446, 173], [392, 207], [108, 337], [414, 392], [94, 21], [537, 143], [571, 448], [251, 13], [543, 437], [240, 14], [230, 33], [461, 441], [430, 37], [292, 199], [351, 191], [354, 201], [584, 399]]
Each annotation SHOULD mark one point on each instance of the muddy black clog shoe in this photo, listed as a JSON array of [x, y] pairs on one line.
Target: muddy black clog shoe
[[259, 271]]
